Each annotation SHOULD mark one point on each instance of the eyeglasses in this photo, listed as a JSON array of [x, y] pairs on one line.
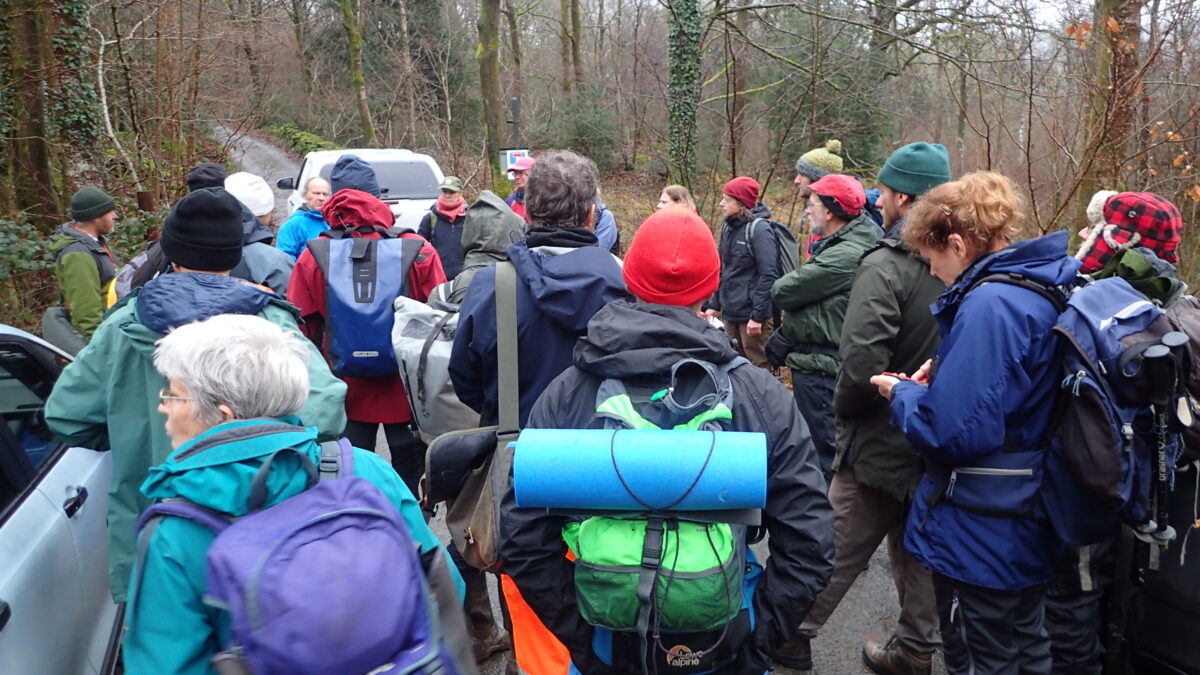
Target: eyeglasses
[[165, 394], [946, 210]]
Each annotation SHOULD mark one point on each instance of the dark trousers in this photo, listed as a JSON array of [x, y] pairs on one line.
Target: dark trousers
[[814, 397], [1074, 616], [991, 632], [408, 452]]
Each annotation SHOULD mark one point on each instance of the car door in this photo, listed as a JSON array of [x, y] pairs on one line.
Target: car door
[[55, 612]]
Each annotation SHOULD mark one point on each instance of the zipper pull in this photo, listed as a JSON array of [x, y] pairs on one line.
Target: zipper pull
[[950, 485]]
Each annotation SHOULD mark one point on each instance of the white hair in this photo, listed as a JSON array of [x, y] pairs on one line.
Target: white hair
[[245, 362]]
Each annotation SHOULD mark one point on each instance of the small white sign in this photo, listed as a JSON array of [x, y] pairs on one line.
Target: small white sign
[[510, 157]]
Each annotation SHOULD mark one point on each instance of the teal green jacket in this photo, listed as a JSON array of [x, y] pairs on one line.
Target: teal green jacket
[[815, 295], [169, 629], [108, 398]]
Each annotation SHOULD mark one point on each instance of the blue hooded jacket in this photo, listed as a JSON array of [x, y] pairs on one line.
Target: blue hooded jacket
[[981, 424], [558, 291], [352, 171], [304, 224]]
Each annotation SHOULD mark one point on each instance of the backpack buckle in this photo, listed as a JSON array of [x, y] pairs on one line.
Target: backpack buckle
[[328, 464]]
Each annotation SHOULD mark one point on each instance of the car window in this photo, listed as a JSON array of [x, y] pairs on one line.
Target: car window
[[28, 444], [400, 180]]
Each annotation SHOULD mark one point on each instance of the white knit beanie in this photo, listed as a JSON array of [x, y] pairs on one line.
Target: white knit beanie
[[252, 191]]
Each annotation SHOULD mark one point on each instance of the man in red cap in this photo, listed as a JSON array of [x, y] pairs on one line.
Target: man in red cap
[[749, 265], [520, 171], [814, 297], [648, 345]]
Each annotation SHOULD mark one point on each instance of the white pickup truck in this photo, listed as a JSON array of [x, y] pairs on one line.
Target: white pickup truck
[[408, 181]]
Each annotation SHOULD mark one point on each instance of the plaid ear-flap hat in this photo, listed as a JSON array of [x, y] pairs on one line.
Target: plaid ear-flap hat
[[1133, 219]]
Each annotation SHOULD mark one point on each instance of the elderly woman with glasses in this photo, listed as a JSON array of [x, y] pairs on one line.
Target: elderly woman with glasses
[[235, 383]]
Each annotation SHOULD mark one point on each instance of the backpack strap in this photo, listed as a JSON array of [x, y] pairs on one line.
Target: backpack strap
[[258, 488], [652, 552], [423, 361], [153, 516], [508, 390], [337, 459], [1056, 295]]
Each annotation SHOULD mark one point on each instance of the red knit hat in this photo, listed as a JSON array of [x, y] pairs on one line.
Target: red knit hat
[[744, 189], [845, 190], [673, 259]]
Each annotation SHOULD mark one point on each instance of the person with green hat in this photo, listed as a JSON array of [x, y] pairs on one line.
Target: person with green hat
[[887, 327], [810, 168], [443, 225], [83, 263]]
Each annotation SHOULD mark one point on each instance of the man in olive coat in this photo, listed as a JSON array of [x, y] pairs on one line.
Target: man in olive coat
[[887, 327]]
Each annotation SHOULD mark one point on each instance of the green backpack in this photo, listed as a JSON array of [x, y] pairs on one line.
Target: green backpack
[[651, 573]]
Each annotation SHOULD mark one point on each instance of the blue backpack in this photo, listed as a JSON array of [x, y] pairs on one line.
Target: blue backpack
[[358, 297], [327, 581], [1116, 432]]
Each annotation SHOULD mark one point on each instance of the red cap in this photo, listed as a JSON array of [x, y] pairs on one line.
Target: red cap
[[845, 190], [523, 164], [673, 259], [744, 189]]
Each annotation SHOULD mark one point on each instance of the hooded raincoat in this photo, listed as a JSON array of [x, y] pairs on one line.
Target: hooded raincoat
[[639, 343], [982, 420], [170, 628], [262, 263], [108, 398], [304, 224], [563, 278]]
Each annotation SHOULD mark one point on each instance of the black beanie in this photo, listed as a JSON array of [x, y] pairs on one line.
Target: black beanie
[[204, 231], [206, 175]]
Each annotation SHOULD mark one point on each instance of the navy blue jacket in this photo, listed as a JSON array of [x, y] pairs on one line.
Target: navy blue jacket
[[984, 417], [446, 237], [558, 291]]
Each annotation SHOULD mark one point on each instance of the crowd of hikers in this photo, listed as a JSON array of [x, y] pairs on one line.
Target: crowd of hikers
[[610, 435]]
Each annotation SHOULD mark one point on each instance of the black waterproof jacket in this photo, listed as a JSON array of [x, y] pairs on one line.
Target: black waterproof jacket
[[748, 268], [639, 343]]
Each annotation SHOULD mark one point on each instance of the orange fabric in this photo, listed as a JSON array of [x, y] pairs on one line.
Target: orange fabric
[[537, 651]]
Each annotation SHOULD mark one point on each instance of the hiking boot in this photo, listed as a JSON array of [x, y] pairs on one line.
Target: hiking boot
[[894, 658], [487, 645], [795, 654]]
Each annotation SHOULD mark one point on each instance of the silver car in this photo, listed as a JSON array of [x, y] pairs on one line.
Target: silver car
[[56, 612]]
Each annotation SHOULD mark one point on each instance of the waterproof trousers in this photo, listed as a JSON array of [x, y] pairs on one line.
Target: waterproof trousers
[[992, 632], [814, 398], [863, 518]]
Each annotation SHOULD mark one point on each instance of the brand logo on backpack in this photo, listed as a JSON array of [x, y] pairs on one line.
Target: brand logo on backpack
[[681, 656]]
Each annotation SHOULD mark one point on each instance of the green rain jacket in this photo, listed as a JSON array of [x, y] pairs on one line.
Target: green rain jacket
[[107, 399], [814, 296], [169, 629], [85, 269]]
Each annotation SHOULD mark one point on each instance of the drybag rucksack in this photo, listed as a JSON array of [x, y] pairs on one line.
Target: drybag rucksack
[[326, 581], [363, 276], [786, 247], [667, 580], [1111, 447], [423, 337]]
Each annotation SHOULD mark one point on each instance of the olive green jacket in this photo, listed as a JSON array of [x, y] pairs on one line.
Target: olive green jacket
[[813, 297], [888, 327]]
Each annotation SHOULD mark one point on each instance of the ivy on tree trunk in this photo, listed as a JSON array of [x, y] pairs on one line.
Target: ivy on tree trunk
[[683, 86]]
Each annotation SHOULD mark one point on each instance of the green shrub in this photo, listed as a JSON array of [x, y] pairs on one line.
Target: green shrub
[[300, 141]]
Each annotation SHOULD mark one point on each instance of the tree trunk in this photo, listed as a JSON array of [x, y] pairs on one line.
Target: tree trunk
[[1113, 100], [577, 44], [29, 62], [683, 86], [737, 102], [568, 77], [354, 48], [408, 81], [298, 13], [514, 42], [489, 89]]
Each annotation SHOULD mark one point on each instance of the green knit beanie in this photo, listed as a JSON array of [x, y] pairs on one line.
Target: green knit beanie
[[916, 168], [90, 203], [820, 162]]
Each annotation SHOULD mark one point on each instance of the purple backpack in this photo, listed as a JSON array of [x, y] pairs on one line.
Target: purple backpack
[[327, 581]]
